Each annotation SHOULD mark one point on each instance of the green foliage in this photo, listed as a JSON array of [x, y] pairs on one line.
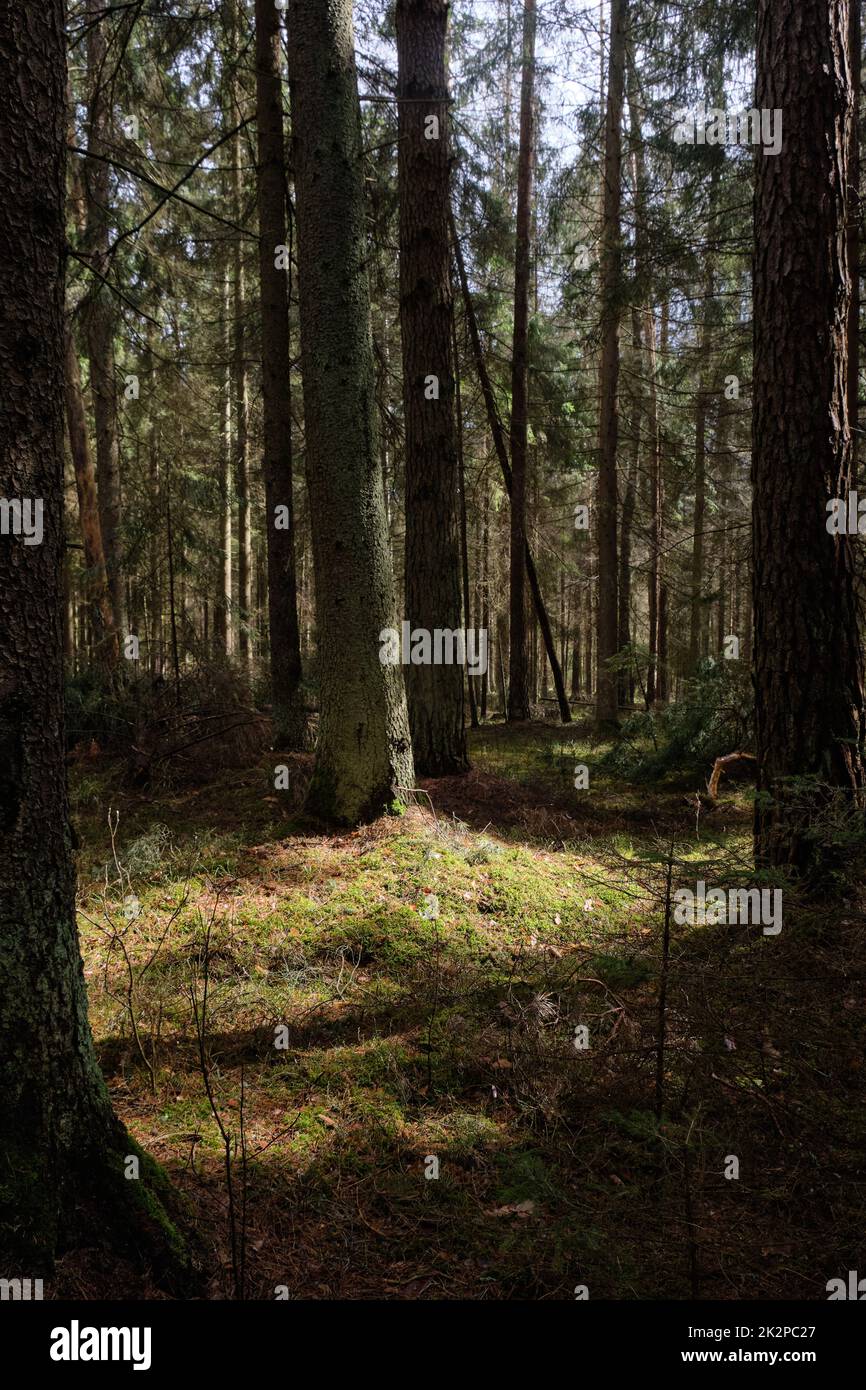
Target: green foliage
[[97, 710], [620, 972], [831, 826], [715, 717], [174, 730]]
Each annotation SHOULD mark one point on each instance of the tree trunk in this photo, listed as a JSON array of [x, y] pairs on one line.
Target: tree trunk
[[610, 289], [697, 613], [289, 719], [154, 490], [657, 511], [589, 629], [724, 458], [498, 434], [662, 678], [464, 521], [575, 665], [364, 755], [485, 591], [807, 662], [647, 367], [98, 312], [96, 587], [61, 1148], [853, 328], [222, 612], [626, 677], [240, 386], [435, 692], [518, 677]]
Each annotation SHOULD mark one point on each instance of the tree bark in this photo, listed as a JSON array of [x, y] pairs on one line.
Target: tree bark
[[807, 662], [289, 718], [364, 754], [435, 692], [855, 42], [61, 1148]]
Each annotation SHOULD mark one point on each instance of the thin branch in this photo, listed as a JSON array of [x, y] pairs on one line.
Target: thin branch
[[170, 192]]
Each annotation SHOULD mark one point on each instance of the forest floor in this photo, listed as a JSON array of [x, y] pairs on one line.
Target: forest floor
[[410, 992]]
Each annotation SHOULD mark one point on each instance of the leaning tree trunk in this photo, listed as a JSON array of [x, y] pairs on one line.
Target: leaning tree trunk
[[364, 755], [285, 642], [435, 692], [498, 433], [611, 267], [61, 1149], [518, 678], [807, 661]]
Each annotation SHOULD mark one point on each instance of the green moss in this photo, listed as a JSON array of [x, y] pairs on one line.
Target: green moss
[[411, 1035], [143, 1213]]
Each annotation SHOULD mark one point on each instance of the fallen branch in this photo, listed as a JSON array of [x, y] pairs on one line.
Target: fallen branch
[[724, 765]]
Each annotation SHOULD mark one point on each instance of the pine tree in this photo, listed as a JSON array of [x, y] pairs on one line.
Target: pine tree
[[808, 670]]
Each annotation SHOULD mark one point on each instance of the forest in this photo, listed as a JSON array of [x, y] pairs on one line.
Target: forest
[[432, 694]]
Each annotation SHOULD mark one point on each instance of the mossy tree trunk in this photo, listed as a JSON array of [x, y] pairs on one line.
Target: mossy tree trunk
[[61, 1147], [364, 753]]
